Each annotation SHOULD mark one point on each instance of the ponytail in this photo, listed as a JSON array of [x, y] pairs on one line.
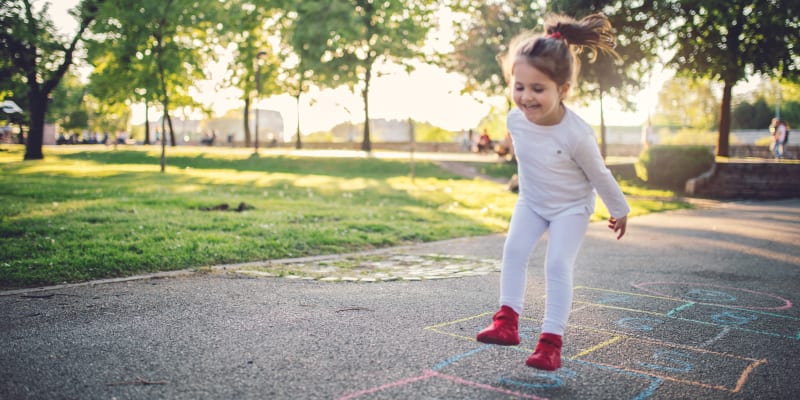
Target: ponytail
[[554, 53]]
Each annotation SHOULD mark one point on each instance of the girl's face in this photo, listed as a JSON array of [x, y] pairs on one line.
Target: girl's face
[[536, 95]]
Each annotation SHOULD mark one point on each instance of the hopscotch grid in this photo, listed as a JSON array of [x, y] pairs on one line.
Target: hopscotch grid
[[657, 378], [427, 374], [787, 303], [738, 387], [629, 336], [753, 363], [679, 300], [596, 347], [655, 381], [723, 326], [622, 335], [667, 315]]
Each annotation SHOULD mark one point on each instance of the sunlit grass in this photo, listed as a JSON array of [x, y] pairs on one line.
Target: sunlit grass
[[81, 214]]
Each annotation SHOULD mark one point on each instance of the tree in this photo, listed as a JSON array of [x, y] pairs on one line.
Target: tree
[[169, 39], [67, 107], [248, 27], [729, 40], [482, 32], [756, 115], [358, 34], [39, 57], [303, 46], [685, 102]]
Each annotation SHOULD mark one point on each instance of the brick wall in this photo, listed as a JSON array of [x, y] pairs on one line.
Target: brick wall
[[748, 179]]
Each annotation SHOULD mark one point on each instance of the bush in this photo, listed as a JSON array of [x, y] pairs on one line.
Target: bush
[[669, 167]]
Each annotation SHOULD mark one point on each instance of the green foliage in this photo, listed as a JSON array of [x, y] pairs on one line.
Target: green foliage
[[637, 31], [728, 40], [669, 167], [756, 115], [34, 58], [687, 102], [494, 123], [425, 132], [482, 31], [339, 42]]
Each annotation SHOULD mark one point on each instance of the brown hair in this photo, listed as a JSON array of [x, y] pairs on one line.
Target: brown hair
[[554, 52]]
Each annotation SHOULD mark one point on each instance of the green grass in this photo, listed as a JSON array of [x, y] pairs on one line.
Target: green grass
[[87, 214]]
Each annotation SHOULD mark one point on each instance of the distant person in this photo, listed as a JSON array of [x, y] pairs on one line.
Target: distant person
[[560, 168], [778, 130], [209, 139], [647, 135], [122, 137], [465, 140], [505, 148], [484, 142]]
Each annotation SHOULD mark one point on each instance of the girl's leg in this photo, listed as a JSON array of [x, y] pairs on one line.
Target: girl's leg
[[524, 231], [565, 238]]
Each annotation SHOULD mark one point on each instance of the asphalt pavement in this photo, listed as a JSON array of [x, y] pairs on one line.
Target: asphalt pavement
[[691, 304]]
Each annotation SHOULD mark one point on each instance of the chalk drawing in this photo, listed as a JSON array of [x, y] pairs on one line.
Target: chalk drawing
[[639, 324], [713, 296], [427, 374], [551, 379], [640, 327], [671, 358]]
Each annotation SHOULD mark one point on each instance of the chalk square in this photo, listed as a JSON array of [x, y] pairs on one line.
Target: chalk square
[[681, 364]]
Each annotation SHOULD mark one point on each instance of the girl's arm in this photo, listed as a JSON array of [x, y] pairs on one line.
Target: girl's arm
[[588, 157]]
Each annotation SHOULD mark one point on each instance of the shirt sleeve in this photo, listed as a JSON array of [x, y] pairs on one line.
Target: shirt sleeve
[[588, 157]]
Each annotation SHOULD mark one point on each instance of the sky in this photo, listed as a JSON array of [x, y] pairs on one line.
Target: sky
[[427, 94]]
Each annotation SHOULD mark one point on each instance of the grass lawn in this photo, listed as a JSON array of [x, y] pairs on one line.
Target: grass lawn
[[93, 212]]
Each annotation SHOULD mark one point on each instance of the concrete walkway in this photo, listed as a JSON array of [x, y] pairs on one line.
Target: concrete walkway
[[691, 304]]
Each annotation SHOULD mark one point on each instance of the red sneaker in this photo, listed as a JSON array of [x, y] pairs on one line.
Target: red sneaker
[[504, 329], [547, 355]]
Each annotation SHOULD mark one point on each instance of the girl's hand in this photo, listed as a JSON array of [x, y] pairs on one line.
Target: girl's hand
[[618, 225]]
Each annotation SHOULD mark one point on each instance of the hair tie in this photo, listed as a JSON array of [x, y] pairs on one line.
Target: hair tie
[[554, 35]]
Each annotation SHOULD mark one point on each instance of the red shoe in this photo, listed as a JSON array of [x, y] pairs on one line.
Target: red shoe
[[504, 329], [547, 355]]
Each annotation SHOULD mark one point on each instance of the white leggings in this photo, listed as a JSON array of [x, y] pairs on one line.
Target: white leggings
[[564, 241]]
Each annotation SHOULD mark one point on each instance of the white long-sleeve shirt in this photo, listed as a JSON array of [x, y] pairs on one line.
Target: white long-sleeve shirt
[[560, 167]]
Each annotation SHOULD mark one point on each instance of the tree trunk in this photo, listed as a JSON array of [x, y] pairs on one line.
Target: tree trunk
[[37, 103], [723, 148], [247, 122], [163, 145], [173, 143], [297, 143], [366, 145], [146, 123]]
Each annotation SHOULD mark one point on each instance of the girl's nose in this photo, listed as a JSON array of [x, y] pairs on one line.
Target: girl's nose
[[527, 95]]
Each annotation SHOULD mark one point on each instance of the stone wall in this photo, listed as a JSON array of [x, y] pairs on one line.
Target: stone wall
[[748, 179]]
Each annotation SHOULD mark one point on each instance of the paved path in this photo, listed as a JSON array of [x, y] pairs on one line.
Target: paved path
[[691, 304]]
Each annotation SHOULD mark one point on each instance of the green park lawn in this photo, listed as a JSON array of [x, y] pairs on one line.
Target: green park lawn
[[84, 213]]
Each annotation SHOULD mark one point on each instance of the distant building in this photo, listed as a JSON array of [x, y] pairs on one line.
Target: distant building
[[381, 130], [270, 125]]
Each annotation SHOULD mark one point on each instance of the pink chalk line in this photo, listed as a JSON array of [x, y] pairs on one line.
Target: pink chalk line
[[431, 374], [646, 287]]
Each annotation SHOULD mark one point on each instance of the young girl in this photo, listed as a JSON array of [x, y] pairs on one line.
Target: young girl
[[560, 168]]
